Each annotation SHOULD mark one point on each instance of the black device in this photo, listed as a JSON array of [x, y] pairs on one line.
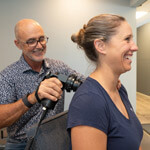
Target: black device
[[70, 83]]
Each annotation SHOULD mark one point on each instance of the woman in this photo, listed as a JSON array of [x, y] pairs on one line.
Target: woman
[[100, 116]]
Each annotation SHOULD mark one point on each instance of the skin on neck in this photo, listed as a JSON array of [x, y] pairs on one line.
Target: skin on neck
[[36, 66], [104, 75]]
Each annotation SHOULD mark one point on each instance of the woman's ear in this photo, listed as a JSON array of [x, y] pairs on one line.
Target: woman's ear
[[99, 46]]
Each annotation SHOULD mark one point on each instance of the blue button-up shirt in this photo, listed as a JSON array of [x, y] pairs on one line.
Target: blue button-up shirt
[[17, 80]]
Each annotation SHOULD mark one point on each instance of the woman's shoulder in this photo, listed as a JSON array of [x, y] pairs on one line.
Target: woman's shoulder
[[89, 107], [89, 94]]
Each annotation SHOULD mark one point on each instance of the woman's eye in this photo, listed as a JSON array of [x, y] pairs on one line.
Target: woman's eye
[[127, 39]]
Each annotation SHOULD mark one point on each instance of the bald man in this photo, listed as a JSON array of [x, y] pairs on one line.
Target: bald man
[[19, 108]]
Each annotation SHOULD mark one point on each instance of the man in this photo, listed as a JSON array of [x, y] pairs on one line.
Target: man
[[18, 82]]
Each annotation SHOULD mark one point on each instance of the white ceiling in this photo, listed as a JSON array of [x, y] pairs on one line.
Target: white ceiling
[[136, 3], [145, 19], [145, 6]]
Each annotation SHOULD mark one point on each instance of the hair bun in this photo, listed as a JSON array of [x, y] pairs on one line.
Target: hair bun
[[84, 26], [74, 37]]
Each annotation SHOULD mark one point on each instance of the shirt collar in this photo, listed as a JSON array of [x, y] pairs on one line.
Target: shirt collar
[[25, 66]]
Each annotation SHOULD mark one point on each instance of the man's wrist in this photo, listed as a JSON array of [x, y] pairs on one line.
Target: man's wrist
[[26, 102]]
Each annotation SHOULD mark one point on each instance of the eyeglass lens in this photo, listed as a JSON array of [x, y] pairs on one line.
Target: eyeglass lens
[[34, 42]]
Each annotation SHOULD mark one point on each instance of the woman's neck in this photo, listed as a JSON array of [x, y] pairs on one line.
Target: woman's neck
[[106, 78]]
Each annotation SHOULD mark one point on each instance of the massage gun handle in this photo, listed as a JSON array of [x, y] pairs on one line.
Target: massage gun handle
[[48, 103]]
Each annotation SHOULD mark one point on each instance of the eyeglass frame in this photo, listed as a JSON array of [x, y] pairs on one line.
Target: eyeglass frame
[[36, 41]]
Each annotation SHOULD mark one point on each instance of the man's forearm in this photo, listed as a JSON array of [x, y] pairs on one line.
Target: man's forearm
[[10, 113]]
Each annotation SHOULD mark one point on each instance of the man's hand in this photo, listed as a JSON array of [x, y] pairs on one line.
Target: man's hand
[[50, 89]]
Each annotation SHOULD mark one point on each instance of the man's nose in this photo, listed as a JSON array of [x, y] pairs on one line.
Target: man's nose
[[39, 45]]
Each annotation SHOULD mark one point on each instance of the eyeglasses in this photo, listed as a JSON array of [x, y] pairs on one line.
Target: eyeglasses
[[33, 42]]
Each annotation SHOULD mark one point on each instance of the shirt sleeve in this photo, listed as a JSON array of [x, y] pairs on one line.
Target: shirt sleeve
[[89, 109], [60, 67], [7, 91]]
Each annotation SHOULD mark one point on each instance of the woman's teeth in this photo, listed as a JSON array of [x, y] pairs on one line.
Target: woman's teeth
[[128, 57]]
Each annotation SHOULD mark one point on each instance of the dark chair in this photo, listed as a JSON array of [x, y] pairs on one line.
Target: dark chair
[[52, 134], [3, 138]]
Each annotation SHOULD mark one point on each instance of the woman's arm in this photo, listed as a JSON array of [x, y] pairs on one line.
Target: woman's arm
[[87, 138], [140, 148]]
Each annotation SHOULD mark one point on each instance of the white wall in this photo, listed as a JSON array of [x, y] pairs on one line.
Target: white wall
[[61, 18]]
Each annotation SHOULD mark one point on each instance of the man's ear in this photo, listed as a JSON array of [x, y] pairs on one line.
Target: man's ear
[[99, 46], [17, 44]]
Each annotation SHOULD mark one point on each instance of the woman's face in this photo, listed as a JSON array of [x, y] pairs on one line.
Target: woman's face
[[120, 48]]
